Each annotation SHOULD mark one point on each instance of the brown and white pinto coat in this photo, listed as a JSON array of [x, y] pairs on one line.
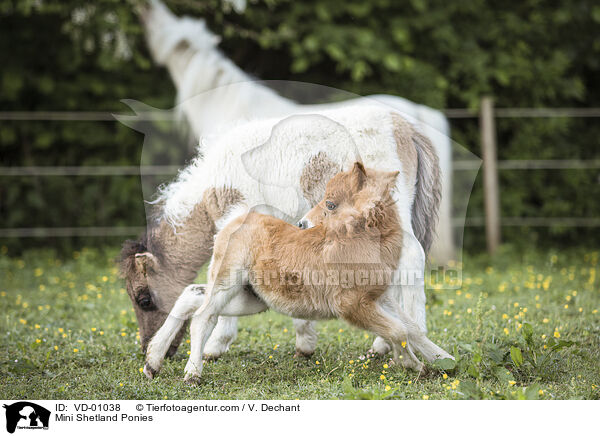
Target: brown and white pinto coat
[[249, 165], [355, 231]]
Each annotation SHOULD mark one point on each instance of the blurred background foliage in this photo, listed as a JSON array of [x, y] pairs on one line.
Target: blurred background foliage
[[87, 56]]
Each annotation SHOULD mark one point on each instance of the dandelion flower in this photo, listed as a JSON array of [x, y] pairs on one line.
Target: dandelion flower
[[426, 397], [387, 388], [385, 365], [556, 334], [75, 350], [444, 376], [512, 382], [23, 321]]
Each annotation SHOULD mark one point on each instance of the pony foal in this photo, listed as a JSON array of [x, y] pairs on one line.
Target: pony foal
[[338, 264]]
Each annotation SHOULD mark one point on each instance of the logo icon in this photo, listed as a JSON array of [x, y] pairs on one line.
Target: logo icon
[[26, 415]]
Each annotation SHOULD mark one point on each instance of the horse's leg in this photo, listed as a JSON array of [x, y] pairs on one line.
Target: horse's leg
[[371, 316], [203, 322], [221, 338], [412, 272], [225, 332], [417, 340], [306, 337], [188, 302]]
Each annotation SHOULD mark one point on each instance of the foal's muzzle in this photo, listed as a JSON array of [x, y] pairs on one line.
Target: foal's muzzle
[[304, 224]]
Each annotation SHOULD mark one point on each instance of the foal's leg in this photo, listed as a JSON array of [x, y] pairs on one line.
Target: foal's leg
[[417, 340], [306, 337], [222, 336], [225, 332], [188, 302], [372, 317], [204, 321]]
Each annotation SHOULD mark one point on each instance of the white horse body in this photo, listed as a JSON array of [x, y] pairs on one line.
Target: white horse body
[[270, 177], [264, 160], [213, 93]]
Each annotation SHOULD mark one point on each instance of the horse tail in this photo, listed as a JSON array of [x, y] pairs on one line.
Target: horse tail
[[428, 191]]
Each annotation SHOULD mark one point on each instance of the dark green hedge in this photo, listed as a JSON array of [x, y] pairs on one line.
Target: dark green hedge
[[76, 55]]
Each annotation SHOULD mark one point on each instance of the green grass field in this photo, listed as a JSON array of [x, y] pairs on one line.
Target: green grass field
[[521, 326]]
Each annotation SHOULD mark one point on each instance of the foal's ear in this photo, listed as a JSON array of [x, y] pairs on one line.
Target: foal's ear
[[144, 260], [389, 180], [359, 176]]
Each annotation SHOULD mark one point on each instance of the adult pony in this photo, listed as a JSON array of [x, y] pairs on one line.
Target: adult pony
[[282, 165]]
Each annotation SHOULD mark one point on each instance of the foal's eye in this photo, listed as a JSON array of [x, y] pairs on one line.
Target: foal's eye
[[330, 205]]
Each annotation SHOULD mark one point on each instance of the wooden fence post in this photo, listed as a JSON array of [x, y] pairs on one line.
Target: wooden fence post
[[487, 128]]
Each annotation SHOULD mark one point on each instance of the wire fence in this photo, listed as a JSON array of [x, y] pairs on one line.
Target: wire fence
[[462, 113]]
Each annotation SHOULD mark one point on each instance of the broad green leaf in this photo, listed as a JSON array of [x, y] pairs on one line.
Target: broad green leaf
[[516, 356]]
